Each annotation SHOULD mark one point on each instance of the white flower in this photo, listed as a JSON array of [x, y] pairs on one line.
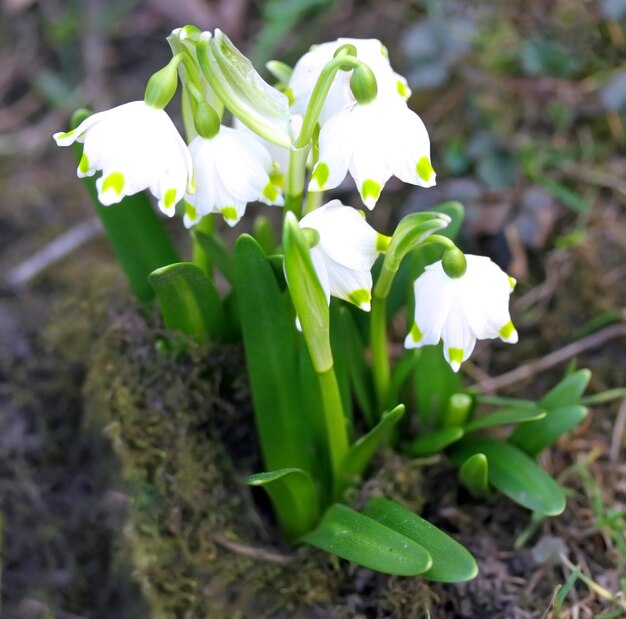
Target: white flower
[[370, 51], [137, 147], [347, 249], [373, 141], [230, 170], [461, 310]]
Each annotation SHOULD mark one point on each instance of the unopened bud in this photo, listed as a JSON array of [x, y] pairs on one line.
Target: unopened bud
[[454, 263], [162, 85], [363, 84], [206, 121]]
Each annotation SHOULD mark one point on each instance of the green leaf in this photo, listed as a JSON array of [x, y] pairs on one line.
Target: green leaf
[[452, 562], [188, 300], [362, 451], [474, 475], [341, 358], [217, 253], [514, 474], [435, 384], [456, 212], [565, 195], [435, 441], [271, 359], [402, 372], [534, 437], [264, 109], [505, 417], [294, 497], [567, 392], [265, 235], [364, 541], [134, 230], [307, 295]]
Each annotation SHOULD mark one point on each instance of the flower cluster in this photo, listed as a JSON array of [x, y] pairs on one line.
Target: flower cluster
[[365, 128]]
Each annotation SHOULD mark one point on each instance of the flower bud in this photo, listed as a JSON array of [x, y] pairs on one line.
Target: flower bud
[[162, 85], [206, 120], [454, 263]]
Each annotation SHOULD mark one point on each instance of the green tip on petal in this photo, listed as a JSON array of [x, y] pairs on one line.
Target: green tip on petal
[[456, 358], [370, 191], [169, 199], [114, 181], [276, 176], [405, 93], [360, 297], [191, 212], [424, 169], [83, 165], [512, 283], [320, 175], [229, 213], [270, 192], [382, 242], [508, 332], [416, 333]]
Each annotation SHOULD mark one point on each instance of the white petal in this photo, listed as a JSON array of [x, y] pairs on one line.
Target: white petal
[[345, 236], [458, 337], [319, 264], [350, 284]]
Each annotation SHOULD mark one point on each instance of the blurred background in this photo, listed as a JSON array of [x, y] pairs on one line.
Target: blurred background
[[525, 102]]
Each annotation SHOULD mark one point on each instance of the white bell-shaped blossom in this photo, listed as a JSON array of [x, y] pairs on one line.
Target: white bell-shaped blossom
[[307, 70], [373, 141], [229, 170], [463, 309], [347, 249], [137, 147]]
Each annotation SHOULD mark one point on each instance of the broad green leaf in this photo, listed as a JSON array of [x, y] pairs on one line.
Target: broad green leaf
[[217, 253], [513, 473], [474, 475], [265, 235], [435, 441], [364, 541], [134, 230], [294, 497], [188, 300], [362, 451], [534, 437], [452, 562], [271, 359], [567, 392], [401, 373], [435, 384], [264, 109], [505, 417], [307, 295]]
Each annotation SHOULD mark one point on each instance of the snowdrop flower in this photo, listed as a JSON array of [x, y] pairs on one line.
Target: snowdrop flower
[[137, 147], [347, 249], [460, 310], [373, 141], [231, 169], [370, 51]]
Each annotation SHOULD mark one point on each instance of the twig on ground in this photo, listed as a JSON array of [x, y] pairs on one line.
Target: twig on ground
[[251, 552], [617, 438], [57, 249], [531, 368]]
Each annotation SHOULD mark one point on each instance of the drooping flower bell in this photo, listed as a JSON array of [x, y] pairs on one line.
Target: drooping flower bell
[[345, 253], [136, 146], [307, 70], [460, 299], [231, 168]]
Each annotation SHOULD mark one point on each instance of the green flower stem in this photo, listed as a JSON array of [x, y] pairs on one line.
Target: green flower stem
[[319, 94], [313, 200], [199, 256], [334, 421], [294, 184]]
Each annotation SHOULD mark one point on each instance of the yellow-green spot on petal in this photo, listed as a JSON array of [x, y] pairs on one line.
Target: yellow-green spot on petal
[[114, 181], [229, 213], [270, 192], [456, 355], [382, 242], [384, 51], [370, 189], [191, 211], [288, 92], [64, 136], [416, 333], [320, 174], [360, 297], [83, 164], [507, 330], [424, 169], [169, 199], [277, 177], [403, 89], [512, 282]]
